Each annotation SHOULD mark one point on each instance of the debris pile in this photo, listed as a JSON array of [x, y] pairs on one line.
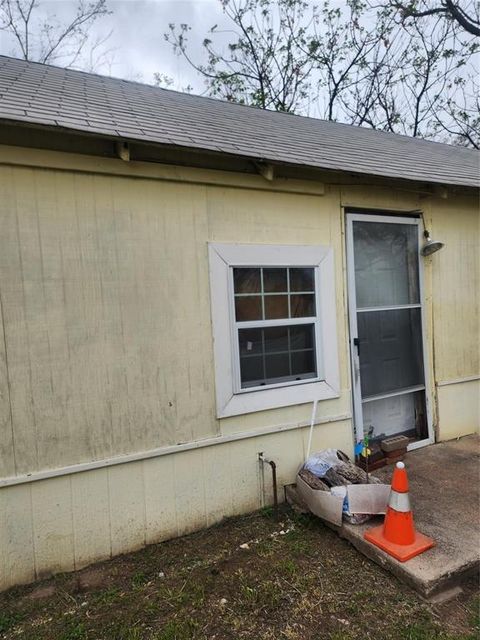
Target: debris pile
[[331, 471]]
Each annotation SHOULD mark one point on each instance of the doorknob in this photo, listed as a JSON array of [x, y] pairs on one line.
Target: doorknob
[[356, 342]]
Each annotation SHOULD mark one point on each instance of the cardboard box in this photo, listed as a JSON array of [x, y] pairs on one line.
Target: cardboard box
[[362, 498]]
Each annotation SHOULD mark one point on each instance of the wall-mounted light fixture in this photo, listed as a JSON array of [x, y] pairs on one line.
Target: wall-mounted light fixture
[[430, 245]]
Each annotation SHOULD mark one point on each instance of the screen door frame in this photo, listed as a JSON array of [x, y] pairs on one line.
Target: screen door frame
[[386, 218]]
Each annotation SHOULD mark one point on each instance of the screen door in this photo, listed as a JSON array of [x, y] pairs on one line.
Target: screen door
[[386, 326]]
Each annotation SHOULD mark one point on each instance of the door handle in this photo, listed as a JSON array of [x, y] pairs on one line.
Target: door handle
[[356, 342]]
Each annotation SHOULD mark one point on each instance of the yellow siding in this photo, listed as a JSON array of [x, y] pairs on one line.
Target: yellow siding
[[66, 523], [106, 347], [456, 288], [106, 316], [458, 409], [106, 308]]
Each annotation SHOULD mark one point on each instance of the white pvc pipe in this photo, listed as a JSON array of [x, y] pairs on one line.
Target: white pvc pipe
[[312, 423]]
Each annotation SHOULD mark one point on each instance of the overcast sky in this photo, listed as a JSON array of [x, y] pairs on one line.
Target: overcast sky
[[137, 41]]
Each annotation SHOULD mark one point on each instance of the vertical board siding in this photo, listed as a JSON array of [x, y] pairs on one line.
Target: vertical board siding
[[126, 491], [7, 451], [17, 554], [15, 323], [91, 517], [219, 483], [459, 409], [106, 349], [66, 523], [456, 287], [106, 318], [189, 491], [52, 515], [160, 499]]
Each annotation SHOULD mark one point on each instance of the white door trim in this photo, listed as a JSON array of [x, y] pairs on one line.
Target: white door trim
[[352, 312]]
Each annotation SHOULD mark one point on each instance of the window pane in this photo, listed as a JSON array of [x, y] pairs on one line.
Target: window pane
[[276, 307], [302, 306], [251, 370], [250, 341], [275, 280], [276, 339], [391, 356], [277, 366], [386, 263], [301, 337], [246, 280], [302, 279], [303, 362], [288, 353], [248, 308]]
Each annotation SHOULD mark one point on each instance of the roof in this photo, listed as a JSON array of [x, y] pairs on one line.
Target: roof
[[40, 94]]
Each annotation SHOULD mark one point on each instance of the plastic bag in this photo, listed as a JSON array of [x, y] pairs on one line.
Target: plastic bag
[[319, 463]]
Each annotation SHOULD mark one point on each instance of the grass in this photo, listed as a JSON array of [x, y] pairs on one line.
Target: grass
[[306, 584], [9, 620]]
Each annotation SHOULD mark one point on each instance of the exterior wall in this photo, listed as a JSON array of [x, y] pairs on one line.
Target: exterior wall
[[107, 348], [458, 408], [68, 522], [456, 300]]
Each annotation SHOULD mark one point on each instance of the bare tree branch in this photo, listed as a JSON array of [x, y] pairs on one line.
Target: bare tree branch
[[40, 36]]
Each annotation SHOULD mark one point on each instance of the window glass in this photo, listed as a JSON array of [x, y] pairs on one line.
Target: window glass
[[248, 308], [302, 305], [273, 293], [275, 280], [386, 264], [302, 279], [271, 355], [276, 307], [247, 280]]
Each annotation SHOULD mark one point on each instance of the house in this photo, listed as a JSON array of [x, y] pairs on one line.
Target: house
[[183, 279]]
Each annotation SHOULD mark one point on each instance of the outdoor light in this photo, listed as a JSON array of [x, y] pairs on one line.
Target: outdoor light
[[430, 245]]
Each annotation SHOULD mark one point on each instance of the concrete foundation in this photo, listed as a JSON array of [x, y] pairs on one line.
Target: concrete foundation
[[444, 493]]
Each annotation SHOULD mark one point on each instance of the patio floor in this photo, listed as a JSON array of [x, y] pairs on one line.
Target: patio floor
[[444, 493]]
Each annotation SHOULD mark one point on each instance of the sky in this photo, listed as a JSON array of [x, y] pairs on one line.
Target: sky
[[137, 48]]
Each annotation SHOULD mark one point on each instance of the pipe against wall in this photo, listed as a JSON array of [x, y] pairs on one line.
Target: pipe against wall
[[273, 467]]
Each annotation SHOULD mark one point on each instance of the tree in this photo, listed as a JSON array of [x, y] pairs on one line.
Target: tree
[[467, 16], [357, 64], [265, 65], [42, 37]]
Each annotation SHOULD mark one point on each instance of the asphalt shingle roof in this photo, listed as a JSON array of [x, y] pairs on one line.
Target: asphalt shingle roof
[[46, 95]]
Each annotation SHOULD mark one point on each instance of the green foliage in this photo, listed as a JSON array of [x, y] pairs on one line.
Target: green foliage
[[8, 620], [177, 630], [75, 630], [355, 62]]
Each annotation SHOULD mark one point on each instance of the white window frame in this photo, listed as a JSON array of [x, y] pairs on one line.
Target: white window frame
[[231, 399]]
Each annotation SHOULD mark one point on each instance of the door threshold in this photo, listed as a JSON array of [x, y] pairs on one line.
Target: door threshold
[[418, 444]]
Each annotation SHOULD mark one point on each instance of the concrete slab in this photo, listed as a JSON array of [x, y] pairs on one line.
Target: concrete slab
[[444, 493]]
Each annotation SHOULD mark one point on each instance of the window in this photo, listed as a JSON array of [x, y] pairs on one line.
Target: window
[[275, 318], [273, 311]]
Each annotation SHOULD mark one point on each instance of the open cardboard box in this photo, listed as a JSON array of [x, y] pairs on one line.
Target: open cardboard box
[[362, 498]]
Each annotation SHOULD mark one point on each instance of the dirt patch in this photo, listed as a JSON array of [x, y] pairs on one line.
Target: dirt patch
[[92, 579], [43, 592], [248, 578]]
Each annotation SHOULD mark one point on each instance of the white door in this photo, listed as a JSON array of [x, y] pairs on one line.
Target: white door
[[386, 319]]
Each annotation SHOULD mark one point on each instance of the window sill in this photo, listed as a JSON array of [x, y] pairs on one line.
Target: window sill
[[264, 399]]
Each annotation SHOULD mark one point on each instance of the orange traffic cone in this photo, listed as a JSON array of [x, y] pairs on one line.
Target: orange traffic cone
[[397, 535]]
